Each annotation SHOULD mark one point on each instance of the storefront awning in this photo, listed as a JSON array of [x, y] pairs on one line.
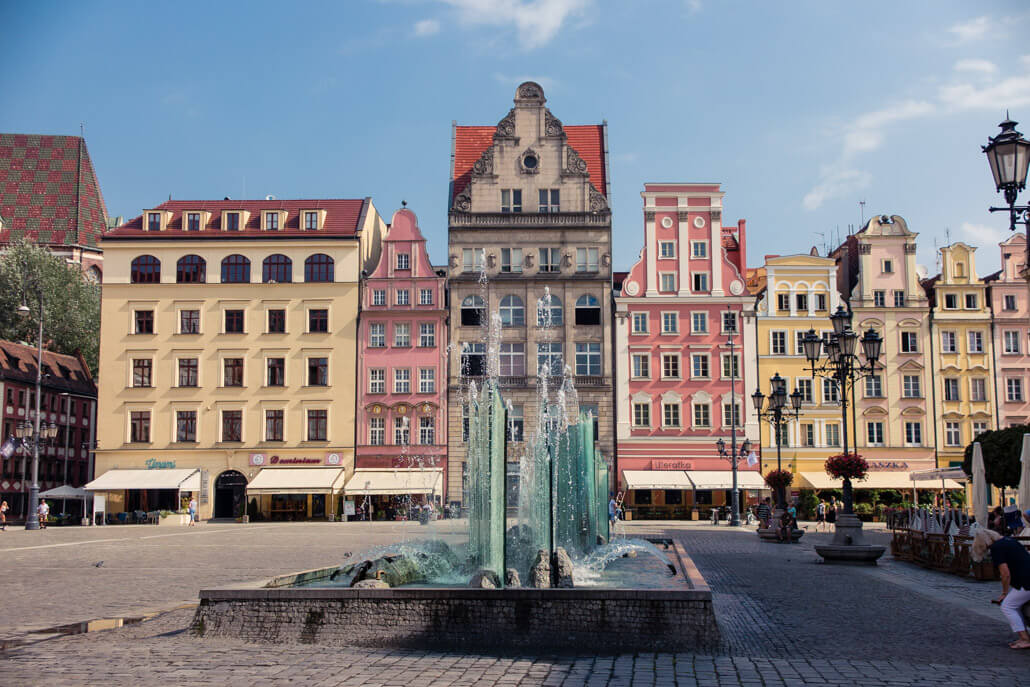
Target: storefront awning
[[947, 474], [183, 479], [395, 481], [723, 479], [656, 479], [297, 481], [875, 480]]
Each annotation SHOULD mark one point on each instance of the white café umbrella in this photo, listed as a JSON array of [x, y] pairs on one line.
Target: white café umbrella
[[1023, 497], [979, 485]]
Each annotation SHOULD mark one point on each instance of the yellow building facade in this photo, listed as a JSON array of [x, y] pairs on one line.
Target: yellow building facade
[[229, 346], [961, 354], [799, 294]]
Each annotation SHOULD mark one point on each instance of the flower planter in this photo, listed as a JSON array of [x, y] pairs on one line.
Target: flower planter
[[174, 520]]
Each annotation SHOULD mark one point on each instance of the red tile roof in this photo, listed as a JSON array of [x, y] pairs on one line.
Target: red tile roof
[[342, 218], [61, 372], [471, 141], [49, 192]]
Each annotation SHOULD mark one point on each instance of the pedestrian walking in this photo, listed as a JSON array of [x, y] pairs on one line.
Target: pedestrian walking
[[1013, 564], [3, 515], [764, 513], [820, 515], [611, 509], [193, 511], [831, 512], [43, 510]]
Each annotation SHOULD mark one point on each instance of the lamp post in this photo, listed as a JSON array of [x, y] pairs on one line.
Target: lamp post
[[33, 436], [844, 367], [778, 412], [734, 456], [32, 517]]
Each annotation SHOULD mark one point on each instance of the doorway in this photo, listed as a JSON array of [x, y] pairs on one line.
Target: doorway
[[230, 494]]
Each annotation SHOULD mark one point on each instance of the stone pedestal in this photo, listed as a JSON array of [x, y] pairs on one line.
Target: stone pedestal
[[849, 543]]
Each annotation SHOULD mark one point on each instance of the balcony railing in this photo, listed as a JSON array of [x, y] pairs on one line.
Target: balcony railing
[[529, 219]]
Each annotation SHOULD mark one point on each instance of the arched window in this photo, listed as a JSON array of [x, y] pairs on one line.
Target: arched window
[[548, 311], [191, 269], [318, 267], [277, 269], [235, 270], [588, 310], [146, 269], [513, 312], [473, 311]]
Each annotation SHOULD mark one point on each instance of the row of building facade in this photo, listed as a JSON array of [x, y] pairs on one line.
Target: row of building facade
[[306, 355]]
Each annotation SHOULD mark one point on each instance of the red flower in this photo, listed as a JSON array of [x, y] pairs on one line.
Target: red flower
[[777, 479], [847, 466]]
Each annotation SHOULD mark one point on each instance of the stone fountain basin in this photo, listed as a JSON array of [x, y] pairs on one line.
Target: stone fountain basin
[[601, 619]]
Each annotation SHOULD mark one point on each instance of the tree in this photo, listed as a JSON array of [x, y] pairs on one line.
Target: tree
[[1001, 449], [71, 303]]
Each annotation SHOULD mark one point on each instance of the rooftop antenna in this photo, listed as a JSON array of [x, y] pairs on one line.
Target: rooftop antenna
[[861, 205], [82, 130], [404, 203]]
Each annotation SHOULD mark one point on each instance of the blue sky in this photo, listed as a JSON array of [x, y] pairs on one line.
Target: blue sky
[[801, 110]]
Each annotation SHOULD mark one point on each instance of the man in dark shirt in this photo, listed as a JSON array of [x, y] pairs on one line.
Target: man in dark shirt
[[764, 513], [1013, 563]]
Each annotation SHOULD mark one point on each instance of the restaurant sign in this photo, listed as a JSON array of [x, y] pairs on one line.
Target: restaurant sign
[[260, 460], [887, 465], [155, 464], [671, 465]]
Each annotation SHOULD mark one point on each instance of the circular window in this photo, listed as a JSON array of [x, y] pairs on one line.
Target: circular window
[[529, 161], [699, 222], [667, 222]]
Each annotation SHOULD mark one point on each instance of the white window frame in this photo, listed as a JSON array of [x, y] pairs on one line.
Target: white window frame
[[674, 317], [401, 377], [637, 318], [662, 254], [679, 366], [633, 367], [663, 279], [699, 255]]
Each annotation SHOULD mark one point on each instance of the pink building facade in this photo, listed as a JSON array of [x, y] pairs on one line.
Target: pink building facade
[[675, 313], [402, 361], [1010, 324]]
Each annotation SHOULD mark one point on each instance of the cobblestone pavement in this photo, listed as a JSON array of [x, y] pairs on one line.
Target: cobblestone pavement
[[786, 619]]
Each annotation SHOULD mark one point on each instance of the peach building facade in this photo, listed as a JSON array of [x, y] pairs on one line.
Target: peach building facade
[[1010, 326]]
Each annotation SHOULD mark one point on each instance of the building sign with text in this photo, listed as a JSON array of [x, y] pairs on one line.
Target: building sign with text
[[265, 460], [657, 464]]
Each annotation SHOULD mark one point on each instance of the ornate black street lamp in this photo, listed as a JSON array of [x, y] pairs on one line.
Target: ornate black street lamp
[[734, 455], [780, 410], [1008, 153], [37, 436]]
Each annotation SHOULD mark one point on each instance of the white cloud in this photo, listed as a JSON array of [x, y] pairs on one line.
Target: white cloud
[[694, 6], [985, 67], [972, 30], [427, 27], [981, 234], [1007, 93], [536, 21], [865, 133], [834, 183]]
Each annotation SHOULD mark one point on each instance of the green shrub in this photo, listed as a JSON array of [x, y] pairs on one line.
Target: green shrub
[[807, 504], [863, 509]]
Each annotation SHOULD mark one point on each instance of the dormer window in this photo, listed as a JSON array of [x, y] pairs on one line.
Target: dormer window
[[232, 221], [192, 221], [153, 221], [310, 221], [271, 221], [403, 261]]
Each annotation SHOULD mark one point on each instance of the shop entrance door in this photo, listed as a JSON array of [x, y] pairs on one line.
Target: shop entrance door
[[230, 492], [318, 505]]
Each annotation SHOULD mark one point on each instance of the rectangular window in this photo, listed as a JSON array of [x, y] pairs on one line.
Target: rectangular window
[[318, 321], [271, 221], [232, 425], [185, 425], [1013, 389], [641, 365], [233, 368], [427, 430], [403, 297], [403, 261], [730, 366], [402, 334], [950, 301], [909, 342], [914, 433], [233, 321], [976, 342], [511, 260], [1010, 302], [640, 323], [586, 260], [318, 425], [779, 343], [833, 435], [670, 323], [641, 414], [473, 259], [874, 433], [473, 359], [310, 221], [971, 301], [700, 282], [802, 302], [729, 322], [805, 387], [951, 392], [949, 342], [952, 434], [670, 415], [879, 299], [513, 359], [276, 372], [189, 321], [427, 380], [910, 386], [144, 321], [588, 359], [667, 249], [731, 414], [820, 301], [550, 260], [153, 221], [807, 434], [516, 424], [139, 426], [141, 371], [799, 342], [550, 200], [379, 297], [193, 221], [831, 392], [188, 372], [318, 371], [549, 361], [899, 299], [377, 431], [978, 389], [402, 380], [273, 425], [888, 266], [702, 415], [232, 221], [401, 431], [376, 335], [377, 380], [425, 297], [511, 200], [670, 366], [276, 321], [699, 250], [427, 334], [783, 302], [699, 323], [1011, 340], [699, 365], [979, 428]]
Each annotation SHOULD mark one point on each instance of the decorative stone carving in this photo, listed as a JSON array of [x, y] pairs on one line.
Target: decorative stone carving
[[606, 259], [506, 127], [736, 287], [484, 166], [566, 260], [865, 249], [527, 260], [632, 288], [552, 125], [574, 164], [699, 221], [463, 201], [529, 162], [453, 261], [598, 202], [716, 215], [910, 249], [667, 222], [648, 215], [530, 91], [683, 215]]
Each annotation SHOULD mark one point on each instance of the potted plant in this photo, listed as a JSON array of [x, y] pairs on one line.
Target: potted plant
[[847, 467]]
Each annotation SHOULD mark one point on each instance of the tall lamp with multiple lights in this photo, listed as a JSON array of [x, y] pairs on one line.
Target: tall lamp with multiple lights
[[37, 437], [780, 410]]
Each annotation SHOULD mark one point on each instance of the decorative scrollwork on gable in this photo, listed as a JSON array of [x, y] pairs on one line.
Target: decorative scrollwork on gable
[[506, 127], [574, 164], [552, 125], [530, 91], [463, 201], [484, 166], [598, 203]]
